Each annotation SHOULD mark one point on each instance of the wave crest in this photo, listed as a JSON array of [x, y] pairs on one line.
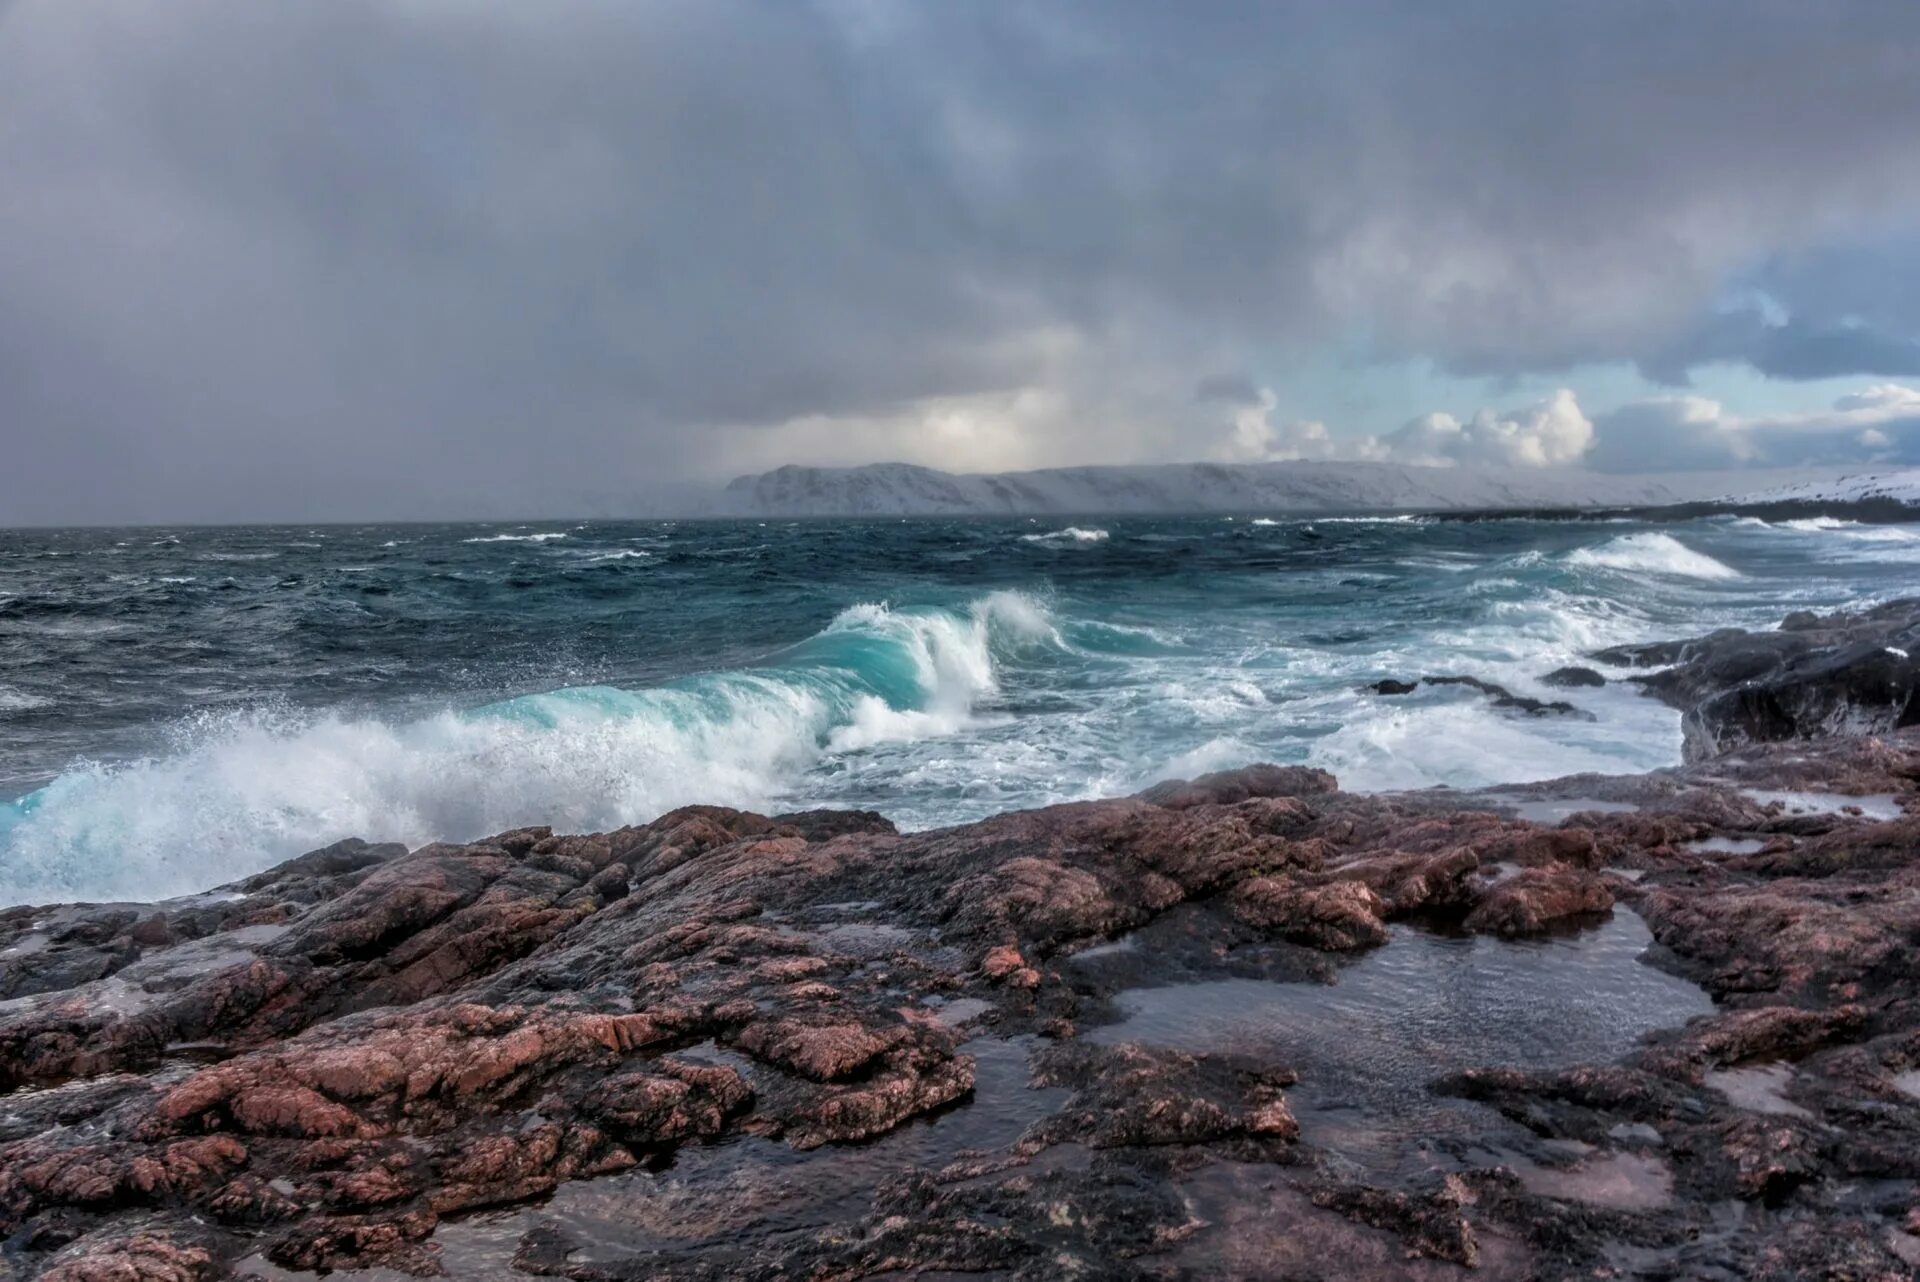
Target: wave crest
[[1652, 553], [239, 791], [1072, 534]]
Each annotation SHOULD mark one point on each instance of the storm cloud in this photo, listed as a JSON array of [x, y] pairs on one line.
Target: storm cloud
[[348, 258]]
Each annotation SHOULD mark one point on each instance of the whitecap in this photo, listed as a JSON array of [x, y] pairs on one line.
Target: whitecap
[[1072, 534], [14, 700], [592, 556], [1652, 553], [518, 538], [238, 791]]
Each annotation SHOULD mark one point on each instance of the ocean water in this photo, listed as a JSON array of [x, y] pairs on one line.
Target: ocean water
[[182, 707]]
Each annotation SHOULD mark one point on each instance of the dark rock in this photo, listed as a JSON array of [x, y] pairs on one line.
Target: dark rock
[[1229, 787], [1573, 678], [1505, 699], [1498, 695], [1819, 676]]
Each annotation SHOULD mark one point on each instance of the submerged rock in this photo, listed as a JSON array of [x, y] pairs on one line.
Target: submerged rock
[[1499, 696]]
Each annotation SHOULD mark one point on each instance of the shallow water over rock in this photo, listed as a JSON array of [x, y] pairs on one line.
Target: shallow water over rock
[[1880, 806], [1615, 1181], [737, 1194], [1260, 1227], [1369, 1046], [1727, 845], [1554, 810], [1758, 1088]]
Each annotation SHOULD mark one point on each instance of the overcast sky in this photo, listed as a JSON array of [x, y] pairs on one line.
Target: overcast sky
[[356, 258]]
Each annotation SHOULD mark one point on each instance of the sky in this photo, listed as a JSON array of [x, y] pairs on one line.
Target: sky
[[354, 259]]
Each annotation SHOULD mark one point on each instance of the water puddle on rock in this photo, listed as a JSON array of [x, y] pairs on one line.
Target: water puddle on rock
[[1368, 1046], [1881, 806], [1615, 1181], [1726, 845], [1259, 1227], [1552, 812], [1761, 1088], [741, 1192]]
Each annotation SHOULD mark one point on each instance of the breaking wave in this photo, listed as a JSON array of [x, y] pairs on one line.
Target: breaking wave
[[237, 792], [1072, 534], [1652, 553]]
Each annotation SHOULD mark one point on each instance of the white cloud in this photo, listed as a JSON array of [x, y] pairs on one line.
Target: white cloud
[[1659, 434], [1554, 432], [1253, 437]]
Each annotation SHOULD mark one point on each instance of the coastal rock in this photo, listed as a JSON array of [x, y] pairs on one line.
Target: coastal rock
[[1537, 899], [860, 1051], [1497, 695], [1818, 676], [1133, 1096], [1229, 787], [1337, 916]]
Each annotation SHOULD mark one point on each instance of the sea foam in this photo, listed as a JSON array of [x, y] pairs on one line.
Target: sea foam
[[237, 792], [1072, 534], [1652, 553]]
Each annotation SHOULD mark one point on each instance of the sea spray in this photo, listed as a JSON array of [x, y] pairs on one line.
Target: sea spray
[[1652, 553], [238, 791], [172, 735]]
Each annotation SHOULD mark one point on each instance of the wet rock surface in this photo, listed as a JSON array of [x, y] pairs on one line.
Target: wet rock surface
[[1661, 1026], [1815, 676], [1498, 695]]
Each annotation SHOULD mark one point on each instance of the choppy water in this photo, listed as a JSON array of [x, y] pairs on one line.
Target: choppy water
[[180, 707]]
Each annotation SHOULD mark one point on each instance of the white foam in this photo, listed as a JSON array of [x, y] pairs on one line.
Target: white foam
[[1652, 553], [12, 700], [1468, 745], [240, 791], [1072, 534], [1224, 752], [518, 538], [593, 557]]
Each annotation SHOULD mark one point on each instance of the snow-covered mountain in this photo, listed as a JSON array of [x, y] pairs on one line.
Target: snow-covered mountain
[[900, 489], [1898, 486]]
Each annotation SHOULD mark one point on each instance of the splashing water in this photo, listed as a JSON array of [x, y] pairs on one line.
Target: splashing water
[[177, 709]]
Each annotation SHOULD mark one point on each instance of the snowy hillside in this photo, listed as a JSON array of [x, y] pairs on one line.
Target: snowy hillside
[[1900, 486]]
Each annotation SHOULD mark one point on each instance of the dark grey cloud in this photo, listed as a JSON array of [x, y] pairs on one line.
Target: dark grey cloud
[[1227, 389], [358, 257], [1789, 347]]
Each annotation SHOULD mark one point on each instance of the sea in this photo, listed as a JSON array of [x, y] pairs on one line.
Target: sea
[[182, 707]]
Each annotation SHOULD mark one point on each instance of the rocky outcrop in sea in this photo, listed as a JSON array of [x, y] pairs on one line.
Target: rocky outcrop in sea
[[1244, 1026]]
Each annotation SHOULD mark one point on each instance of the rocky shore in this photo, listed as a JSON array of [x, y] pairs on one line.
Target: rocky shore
[[1246, 1026]]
